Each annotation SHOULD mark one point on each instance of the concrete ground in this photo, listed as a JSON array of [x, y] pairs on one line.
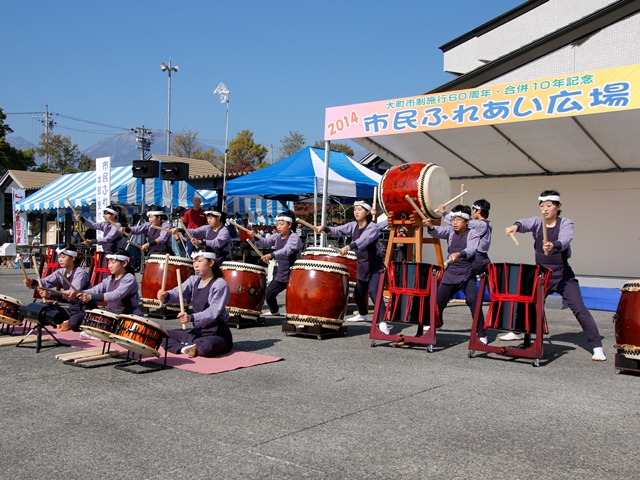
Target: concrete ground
[[334, 408]]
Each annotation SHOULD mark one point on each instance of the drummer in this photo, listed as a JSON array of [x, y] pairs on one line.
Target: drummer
[[78, 277], [158, 241], [215, 234], [119, 291], [555, 254], [209, 294], [111, 239], [287, 246], [365, 242]]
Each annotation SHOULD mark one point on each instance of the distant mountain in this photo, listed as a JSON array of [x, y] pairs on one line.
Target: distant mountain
[[23, 144]]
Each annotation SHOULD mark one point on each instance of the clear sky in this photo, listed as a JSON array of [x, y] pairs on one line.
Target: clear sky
[[284, 61]]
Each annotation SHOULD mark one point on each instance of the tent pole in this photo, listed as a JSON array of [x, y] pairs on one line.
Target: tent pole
[[315, 210], [325, 190]]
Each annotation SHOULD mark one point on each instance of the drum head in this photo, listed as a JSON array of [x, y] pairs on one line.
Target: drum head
[[145, 321], [104, 313], [133, 346], [434, 189], [243, 267], [102, 335], [11, 300]]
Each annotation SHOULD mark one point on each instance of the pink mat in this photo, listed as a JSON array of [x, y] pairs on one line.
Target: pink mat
[[207, 366]]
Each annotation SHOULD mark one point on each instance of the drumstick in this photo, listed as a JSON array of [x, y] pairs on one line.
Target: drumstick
[[417, 209], [515, 240], [157, 227], [375, 201], [165, 272], [253, 245], [186, 230], [24, 271], [64, 279], [242, 228], [446, 263], [463, 192], [74, 214], [545, 238], [454, 198], [336, 249], [179, 275], [35, 266], [306, 224]]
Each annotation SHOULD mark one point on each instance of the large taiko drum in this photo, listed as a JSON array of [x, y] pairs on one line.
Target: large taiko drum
[[427, 183], [100, 324], [330, 255], [139, 335], [248, 286], [317, 294], [627, 320], [152, 278], [9, 310]]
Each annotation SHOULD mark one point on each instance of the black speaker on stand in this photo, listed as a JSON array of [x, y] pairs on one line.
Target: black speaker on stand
[[174, 171], [145, 168]]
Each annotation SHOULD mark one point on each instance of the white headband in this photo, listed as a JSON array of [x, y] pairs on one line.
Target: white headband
[[364, 205], [213, 212], [122, 258], [209, 255], [460, 214], [157, 213], [110, 210], [549, 198], [477, 207], [70, 253], [285, 218]]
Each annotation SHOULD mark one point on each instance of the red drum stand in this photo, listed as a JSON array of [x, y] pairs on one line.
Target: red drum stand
[[413, 289], [516, 303]]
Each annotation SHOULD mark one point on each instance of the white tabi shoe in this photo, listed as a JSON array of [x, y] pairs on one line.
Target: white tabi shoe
[[384, 328], [510, 337], [358, 318], [598, 355], [269, 314]]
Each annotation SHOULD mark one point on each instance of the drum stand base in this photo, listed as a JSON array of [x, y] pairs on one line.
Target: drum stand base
[[131, 365], [162, 313], [90, 357], [624, 364], [39, 346], [239, 321], [316, 331]]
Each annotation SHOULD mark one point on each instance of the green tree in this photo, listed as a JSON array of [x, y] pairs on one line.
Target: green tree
[[244, 154], [292, 143], [10, 157], [340, 147], [185, 145], [61, 156]]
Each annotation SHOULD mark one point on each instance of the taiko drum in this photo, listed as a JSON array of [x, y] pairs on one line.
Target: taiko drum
[[627, 317], [329, 255], [100, 324], [9, 310], [248, 287], [139, 335], [152, 277]]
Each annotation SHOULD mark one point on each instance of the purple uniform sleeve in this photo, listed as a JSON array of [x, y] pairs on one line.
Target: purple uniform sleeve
[[293, 245], [534, 225], [187, 291], [200, 232], [222, 239]]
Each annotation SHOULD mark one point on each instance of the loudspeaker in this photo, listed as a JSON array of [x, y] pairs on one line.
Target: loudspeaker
[[174, 171], [44, 313], [145, 168]]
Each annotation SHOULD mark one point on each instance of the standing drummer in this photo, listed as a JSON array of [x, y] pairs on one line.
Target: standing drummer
[[111, 239], [287, 246], [158, 241], [554, 254], [215, 235]]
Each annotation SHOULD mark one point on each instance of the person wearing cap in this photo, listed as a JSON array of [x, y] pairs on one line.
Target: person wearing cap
[[215, 234], [78, 277], [365, 242], [462, 243], [209, 295], [111, 239], [287, 247], [119, 290], [158, 241], [554, 255]]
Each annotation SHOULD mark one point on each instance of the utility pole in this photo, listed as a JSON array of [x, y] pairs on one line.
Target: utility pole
[[144, 139], [271, 154], [48, 124]]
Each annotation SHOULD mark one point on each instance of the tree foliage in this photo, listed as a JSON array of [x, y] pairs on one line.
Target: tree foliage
[[244, 154], [340, 147], [10, 157], [185, 145], [62, 156], [292, 143]]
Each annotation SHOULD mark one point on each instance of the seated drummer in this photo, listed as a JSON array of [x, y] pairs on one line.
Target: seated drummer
[[119, 290], [287, 246], [158, 241], [209, 294], [215, 235], [76, 276]]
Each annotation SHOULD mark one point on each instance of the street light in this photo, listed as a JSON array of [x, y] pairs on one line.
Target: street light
[[224, 92], [168, 68]]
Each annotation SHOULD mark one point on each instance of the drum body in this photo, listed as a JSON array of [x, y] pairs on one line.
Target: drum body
[[409, 292], [627, 317], [152, 278], [330, 255], [9, 310], [100, 324], [248, 286], [139, 335], [317, 294], [427, 183], [512, 294]]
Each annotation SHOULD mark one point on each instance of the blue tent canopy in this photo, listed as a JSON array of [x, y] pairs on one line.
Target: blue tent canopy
[[301, 174]]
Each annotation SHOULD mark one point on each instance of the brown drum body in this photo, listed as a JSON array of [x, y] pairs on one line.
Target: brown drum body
[[426, 183], [100, 324], [317, 293], [329, 255], [248, 286], [9, 310], [152, 278], [139, 335], [627, 317]]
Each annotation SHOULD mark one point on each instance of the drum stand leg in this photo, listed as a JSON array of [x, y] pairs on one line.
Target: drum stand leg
[[147, 367], [105, 355], [39, 346]]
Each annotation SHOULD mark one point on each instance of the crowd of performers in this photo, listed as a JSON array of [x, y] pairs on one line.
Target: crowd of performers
[[468, 234]]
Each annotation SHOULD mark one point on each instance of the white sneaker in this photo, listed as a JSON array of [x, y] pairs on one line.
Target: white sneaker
[[598, 355], [510, 337], [269, 314], [86, 336], [358, 318], [484, 340], [384, 328]]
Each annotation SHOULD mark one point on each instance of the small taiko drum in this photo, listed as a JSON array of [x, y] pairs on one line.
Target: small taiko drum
[[627, 320], [248, 286], [100, 324], [317, 294], [9, 310], [139, 335], [154, 269], [427, 183], [330, 255]]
